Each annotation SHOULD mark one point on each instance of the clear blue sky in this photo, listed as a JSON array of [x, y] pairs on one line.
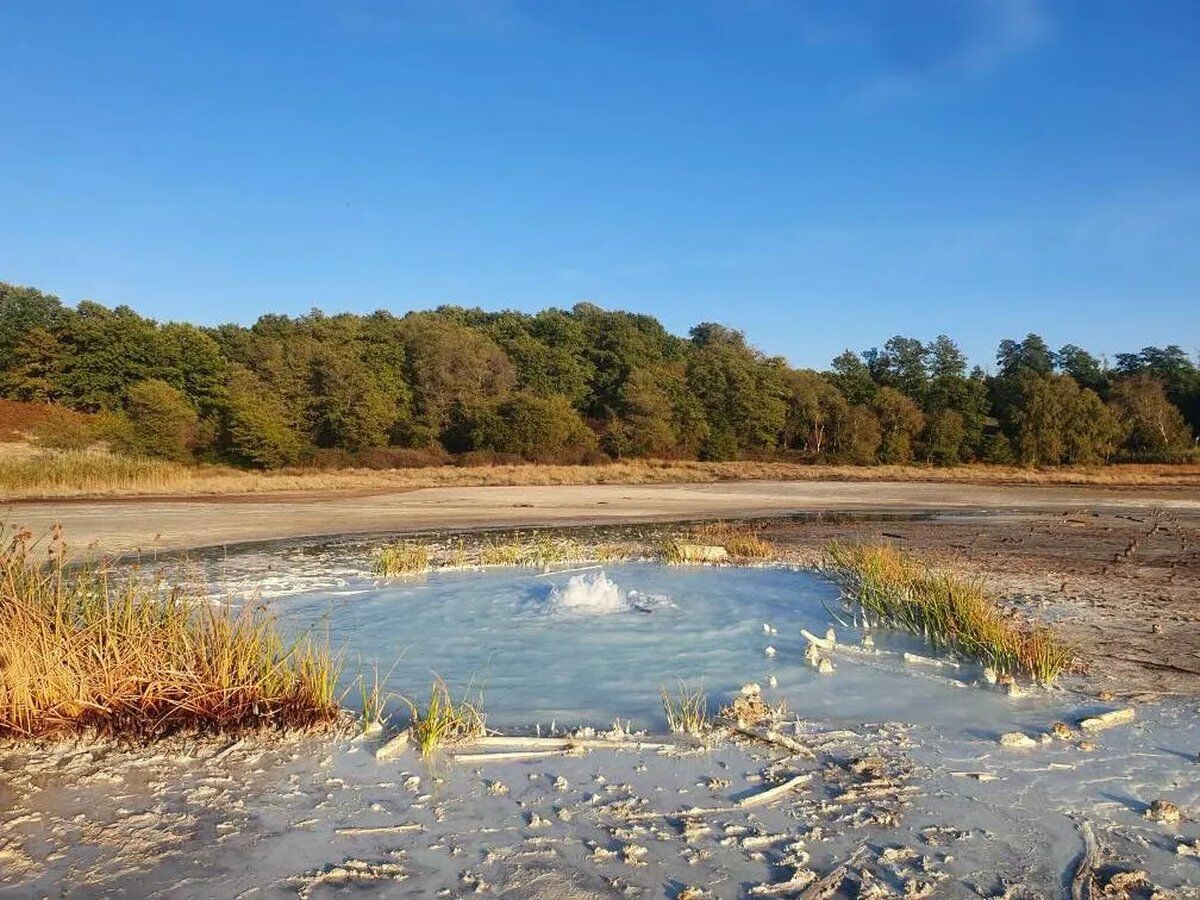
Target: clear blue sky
[[821, 175]]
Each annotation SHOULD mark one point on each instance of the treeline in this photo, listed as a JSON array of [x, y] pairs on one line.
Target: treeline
[[576, 386]]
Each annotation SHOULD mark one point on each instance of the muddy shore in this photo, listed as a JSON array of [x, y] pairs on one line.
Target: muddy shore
[[147, 524], [914, 812], [1117, 570]]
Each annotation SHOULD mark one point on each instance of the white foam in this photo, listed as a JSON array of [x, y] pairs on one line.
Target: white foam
[[589, 594]]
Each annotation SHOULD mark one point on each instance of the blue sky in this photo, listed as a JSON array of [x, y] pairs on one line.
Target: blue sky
[[822, 175]]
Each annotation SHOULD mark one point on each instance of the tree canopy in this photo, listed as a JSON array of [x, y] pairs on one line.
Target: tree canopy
[[577, 384]]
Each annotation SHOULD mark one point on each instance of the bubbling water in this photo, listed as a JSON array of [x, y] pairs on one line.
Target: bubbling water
[[590, 593]]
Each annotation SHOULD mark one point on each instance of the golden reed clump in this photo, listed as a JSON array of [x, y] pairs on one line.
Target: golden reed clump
[[953, 614], [128, 655]]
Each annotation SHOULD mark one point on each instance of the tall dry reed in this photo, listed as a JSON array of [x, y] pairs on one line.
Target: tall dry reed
[[129, 655], [950, 612]]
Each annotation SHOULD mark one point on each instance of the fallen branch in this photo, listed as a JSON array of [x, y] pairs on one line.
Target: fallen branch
[[508, 756], [777, 739], [825, 886], [1108, 719], [772, 794], [1081, 882], [520, 742], [380, 829]]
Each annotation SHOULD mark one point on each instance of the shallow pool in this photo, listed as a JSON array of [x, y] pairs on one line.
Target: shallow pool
[[588, 646]]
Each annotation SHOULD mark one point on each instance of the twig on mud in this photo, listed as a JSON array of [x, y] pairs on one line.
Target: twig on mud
[[771, 794], [825, 886], [1081, 882], [777, 739]]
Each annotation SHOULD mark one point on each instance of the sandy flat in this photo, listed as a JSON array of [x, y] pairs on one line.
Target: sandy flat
[[147, 523]]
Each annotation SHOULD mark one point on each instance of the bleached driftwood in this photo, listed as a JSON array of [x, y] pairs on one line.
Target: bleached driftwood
[[834, 647], [1108, 719], [779, 740], [772, 794], [819, 641], [919, 660], [692, 812], [405, 828], [393, 746], [523, 742], [507, 756]]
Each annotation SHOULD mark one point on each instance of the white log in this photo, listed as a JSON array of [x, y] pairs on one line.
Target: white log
[[394, 746], [1108, 719], [406, 828], [774, 793], [506, 756]]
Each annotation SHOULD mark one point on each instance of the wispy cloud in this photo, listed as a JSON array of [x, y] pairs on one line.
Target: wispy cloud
[[922, 38], [911, 46]]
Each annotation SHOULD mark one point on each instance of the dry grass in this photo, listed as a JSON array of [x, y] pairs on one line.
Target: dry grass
[[951, 613], [402, 559], [717, 542], [130, 656], [749, 547], [77, 473], [687, 709], [53, 473], [541, 549], [445, 721]]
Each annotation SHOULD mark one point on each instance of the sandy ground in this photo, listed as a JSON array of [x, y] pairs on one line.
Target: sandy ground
[[874, 811], [147, 524]]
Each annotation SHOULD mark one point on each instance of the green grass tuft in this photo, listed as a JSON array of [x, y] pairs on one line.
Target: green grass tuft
[[445, 721], [687, 710]]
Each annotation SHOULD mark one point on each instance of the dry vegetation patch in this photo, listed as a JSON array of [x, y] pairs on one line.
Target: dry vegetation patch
[[85, 648], [950, 612], [402, 559], [83, 473], [686, 709]]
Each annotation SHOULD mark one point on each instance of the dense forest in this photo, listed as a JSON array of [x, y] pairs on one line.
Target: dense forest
[[581, 385]]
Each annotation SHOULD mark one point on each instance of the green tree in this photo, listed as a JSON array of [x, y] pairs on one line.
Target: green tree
[[852, 378], [104, 352], [1148, 421], [857, 436], [34, 370], [944, 436], [257, 428], [452, 368], [900, 421], [1083, 367], [23, 309], [348, 408], [743, 393], [162, 422], [537, 428], [1059, 422], [901, 364], [1171, 366], [813, 407]]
